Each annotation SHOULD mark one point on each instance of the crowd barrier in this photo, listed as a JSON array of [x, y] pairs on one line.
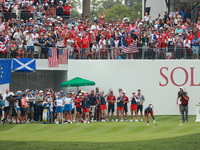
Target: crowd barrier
[[109, 53]]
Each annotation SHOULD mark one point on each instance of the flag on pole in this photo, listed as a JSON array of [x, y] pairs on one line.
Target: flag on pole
[[52, 57], [23, 65], [5, 71], [129, 49], [63, 56], [3, 48]]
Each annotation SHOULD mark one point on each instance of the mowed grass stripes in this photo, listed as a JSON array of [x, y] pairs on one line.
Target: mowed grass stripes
[[168, 127]]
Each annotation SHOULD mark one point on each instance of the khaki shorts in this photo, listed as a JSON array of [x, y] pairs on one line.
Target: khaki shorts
[[31, 110]]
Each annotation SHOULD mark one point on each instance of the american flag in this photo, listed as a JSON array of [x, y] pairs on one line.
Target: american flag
[[52, 57], [131, 49], [63, 56], [3, 48]]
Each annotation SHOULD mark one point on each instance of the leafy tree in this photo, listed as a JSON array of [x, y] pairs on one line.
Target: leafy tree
[[75, 4], [119, 12], [131, 3]]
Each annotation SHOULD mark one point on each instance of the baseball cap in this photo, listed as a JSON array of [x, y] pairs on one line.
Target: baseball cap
[[24, 95], [40, 91], [33, 93], [124, 92], [48, 93], [181, 87], [7, 90], [68, 93], [85, 94], [82, 91], [133, 93], [59, 94], [19, 93], [80, 94]]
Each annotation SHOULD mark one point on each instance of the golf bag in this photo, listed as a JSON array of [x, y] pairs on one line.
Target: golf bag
[[46, 113]]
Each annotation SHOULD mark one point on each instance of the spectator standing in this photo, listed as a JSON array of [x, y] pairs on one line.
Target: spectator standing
[[184, 106], [195, 47], [187, 46], [102, 46], [39, 108], [42, 43], [67, 9], [6, 107], [85, 46], [140, 102], [95, 49], [179, 47], [109, 43], [59, 9], [117, 46], [30, 44]]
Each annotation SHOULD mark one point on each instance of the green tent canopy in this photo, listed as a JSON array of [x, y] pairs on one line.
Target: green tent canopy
[[76, 82]]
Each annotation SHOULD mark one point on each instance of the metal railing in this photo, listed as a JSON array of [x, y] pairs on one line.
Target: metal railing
[[107, 53]]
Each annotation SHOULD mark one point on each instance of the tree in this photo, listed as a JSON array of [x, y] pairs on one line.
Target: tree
[[75, 4], [131, 3], [119, 12], [86, 8]]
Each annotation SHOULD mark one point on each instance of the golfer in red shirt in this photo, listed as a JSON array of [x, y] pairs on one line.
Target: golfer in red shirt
[[111, 105]]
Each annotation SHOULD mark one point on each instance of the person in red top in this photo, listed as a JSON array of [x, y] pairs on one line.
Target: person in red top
[[111, 105], [191, 35], [184, 105], [67, 9], [77, 46], [129, 39], [126, 101], [81, 25], [85, 46], [78, 101]]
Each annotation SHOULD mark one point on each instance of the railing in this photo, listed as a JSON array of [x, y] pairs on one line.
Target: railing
[[108, 53]]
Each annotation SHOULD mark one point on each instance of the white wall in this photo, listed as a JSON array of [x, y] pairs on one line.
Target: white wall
[[131, 75], [42, 64], [157, 6]]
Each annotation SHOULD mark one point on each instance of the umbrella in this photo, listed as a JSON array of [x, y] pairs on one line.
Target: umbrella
[[76, 82]]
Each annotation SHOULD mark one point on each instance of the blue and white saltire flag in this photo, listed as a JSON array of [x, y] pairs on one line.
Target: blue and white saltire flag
[[23, 65]]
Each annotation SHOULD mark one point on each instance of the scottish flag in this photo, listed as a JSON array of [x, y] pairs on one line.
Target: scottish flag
[[5, 71], [23, 65]]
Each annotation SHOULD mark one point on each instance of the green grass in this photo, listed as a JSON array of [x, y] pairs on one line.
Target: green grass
[[110, 135]]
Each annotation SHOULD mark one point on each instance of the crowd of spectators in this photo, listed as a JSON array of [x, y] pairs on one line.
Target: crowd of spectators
[[34, 26]]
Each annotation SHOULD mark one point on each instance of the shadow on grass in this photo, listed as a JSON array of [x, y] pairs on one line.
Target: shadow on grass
[[184, 142]]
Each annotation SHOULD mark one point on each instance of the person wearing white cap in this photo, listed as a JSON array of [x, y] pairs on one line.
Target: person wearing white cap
[[67, 9], [178, 102], [59, 8], [39, 108], [49, 100]]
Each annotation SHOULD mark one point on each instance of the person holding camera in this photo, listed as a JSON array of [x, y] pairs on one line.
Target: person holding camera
[[180, 93], [184, 105]]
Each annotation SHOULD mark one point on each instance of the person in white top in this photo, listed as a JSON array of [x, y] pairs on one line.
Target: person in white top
[[30, 45], [95, 49], [68, 108], [147, 17], [102, 46], [35, 36], [187, 46], [6, 107]]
